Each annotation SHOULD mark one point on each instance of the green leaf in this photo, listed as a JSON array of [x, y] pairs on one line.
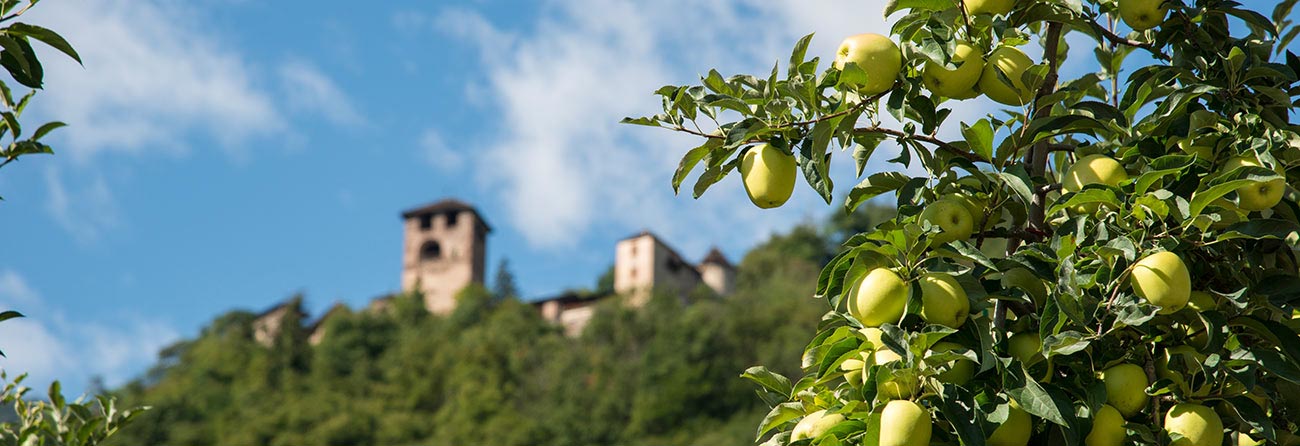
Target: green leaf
[[779, 415], [7, 315], [1034, 398], [873, 186], [47, 128], [768, 379], [797, 55], [684, 168], [923, 5], [1016, 178], [50, 38], [979, 137], [20, 60]]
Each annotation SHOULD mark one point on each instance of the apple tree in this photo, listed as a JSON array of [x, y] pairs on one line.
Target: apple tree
[[1109, 257]]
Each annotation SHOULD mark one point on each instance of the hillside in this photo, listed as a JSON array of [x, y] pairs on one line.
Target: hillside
[[494, 372]]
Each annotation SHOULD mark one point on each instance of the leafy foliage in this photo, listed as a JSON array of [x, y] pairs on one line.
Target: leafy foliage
[[1196, 114], [18, 58]]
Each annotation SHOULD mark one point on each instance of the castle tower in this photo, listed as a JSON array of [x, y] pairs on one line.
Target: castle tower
[[718, 273], [445, 249], [643, 262]]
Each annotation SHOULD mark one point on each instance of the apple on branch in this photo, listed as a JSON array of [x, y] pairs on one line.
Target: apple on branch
[[870, 63], [768, 174]]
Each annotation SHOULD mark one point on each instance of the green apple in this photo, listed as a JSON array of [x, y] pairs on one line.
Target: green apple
[[1093, 169], [768, 174], [976, 206], [879, 298], [1026, 347], [1012, 63], [952, 218], [1014, 431], [1126, 386], [873, 335], [1188, 359], [899, 387], [1162, 279], [943, 301], [1107, 428], [1202, 146], [904, 423], [1245, 440], [1201, 301], [1142, 14], [1025, 279], [852, 368], [995, 7], [959, 371], [814, 425], [878, 62], [1259, 196], [1197, 424], [957, 83]]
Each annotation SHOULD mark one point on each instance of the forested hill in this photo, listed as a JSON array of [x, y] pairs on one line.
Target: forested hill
[[494, 373]]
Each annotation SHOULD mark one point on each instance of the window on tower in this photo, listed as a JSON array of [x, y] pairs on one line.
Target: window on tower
[[431, 250], [451, 219], [426, 222]]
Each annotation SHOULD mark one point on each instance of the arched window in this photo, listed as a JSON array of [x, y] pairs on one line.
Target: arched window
[[430, 251]]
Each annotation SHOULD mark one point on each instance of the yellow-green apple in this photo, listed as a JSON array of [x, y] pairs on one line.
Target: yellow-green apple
[[1258, 196], [1025, 279], [1026, 347], [768, 174], [873, 335], [1093, 169], [996, 7], [814, 425], [952, 218], [1245, 440], [852, 368], [1014, 431], [904, 423], [957, 83], [1012, 63], [879, 298], [1107, 428], [943, 301], [1196, 424], [876, 63], [1126, 386], [1162, 279], [1201, 301], [959, 371], [1142, 14], [900, 386]]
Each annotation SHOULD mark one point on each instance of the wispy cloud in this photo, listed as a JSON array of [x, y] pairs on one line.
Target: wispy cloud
[[49, 345], [560, 162], [308, 90], [152, 76], [86, 210]]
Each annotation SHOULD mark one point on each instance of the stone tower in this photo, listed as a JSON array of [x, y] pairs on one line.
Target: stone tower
[[718, 273], [644, 262], [444, 251]]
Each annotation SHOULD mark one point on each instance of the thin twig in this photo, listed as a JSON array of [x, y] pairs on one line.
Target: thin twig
[[16, 14], [1116, 39]]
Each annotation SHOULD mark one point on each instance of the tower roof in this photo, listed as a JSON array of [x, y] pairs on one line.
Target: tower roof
[[446, 205], [715, 256]]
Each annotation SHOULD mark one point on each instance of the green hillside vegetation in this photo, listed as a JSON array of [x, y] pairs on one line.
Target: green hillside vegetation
[[494, 372]]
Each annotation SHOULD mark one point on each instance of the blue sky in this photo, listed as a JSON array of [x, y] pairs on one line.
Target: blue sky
[[226, 154]]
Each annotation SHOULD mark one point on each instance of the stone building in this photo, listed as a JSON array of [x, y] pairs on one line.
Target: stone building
[[643, 264], [316, 332], [444, 250], [267, 324]]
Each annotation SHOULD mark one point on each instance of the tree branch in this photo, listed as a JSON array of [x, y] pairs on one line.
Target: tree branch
[[16, 14], [1116, 39], [923, 138], [1038, 156]]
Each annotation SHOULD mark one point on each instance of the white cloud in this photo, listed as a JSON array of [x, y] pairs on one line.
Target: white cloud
[[310, 91], [562, 165], [47, 345], [438, 154], [151, 78], [87, 211]]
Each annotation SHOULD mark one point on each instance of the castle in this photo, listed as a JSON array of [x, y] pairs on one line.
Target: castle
[[444, 250]]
